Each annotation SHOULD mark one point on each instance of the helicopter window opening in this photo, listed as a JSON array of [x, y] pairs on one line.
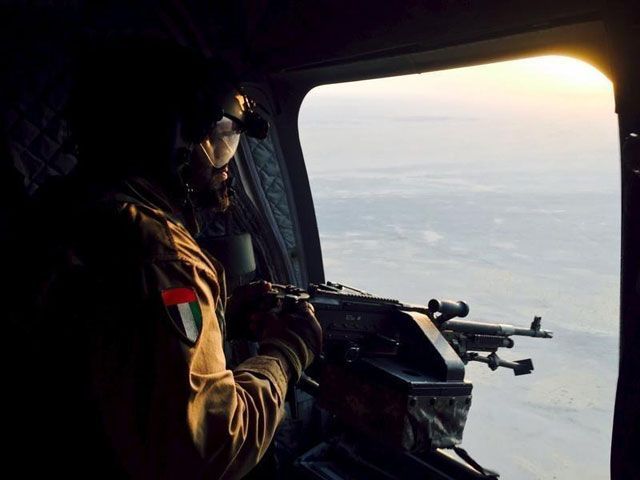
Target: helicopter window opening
[[497, 185]]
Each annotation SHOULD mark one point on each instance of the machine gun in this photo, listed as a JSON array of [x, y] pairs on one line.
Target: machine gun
[[395, 371], [350, 320]]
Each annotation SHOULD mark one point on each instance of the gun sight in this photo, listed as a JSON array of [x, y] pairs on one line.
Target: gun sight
[[448, 308]]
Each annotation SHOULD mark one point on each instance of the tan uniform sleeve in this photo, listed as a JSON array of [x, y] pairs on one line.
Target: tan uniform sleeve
[[231, 416], [172, 408]]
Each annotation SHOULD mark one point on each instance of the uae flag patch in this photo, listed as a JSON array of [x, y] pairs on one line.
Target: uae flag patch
[[183, 308]]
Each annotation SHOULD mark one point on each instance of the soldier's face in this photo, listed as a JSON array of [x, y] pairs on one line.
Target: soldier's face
[[221, 143], [208, 173], [210, 183]]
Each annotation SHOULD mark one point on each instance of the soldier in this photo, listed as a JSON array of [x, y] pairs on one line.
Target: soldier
[[132, 376]]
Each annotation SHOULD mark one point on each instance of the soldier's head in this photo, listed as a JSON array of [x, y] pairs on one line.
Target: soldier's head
[[205, 173], [154, 109]]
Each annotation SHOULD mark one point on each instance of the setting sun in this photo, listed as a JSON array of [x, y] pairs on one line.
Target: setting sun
[[563, 69], [543, 76]]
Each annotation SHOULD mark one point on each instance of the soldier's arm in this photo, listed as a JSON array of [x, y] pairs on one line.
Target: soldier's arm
[[230, 416]]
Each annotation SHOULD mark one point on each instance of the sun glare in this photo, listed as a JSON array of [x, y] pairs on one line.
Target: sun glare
[[557, 69]]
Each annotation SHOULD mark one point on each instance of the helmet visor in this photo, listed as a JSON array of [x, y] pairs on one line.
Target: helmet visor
[[222, 142]]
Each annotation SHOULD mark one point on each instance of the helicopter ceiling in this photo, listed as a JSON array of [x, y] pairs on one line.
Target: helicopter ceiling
[[273, 36]]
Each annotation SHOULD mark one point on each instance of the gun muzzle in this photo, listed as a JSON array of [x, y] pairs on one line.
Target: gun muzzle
[[466, 326]]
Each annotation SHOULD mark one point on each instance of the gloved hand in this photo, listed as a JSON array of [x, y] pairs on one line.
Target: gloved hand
[[296, 335], [244, 311]]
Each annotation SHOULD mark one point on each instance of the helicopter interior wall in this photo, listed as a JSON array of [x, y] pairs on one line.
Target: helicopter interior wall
[[34, 97]]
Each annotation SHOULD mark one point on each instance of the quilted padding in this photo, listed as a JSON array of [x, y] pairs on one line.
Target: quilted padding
[[265, 159], [36, 94]]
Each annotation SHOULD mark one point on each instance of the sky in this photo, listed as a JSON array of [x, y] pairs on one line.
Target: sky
[[454, 111]]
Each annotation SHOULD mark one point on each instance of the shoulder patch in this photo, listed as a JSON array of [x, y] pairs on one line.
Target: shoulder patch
[[184, 310]]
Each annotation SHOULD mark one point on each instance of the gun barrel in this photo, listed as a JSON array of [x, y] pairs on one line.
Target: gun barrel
[[466, 326]]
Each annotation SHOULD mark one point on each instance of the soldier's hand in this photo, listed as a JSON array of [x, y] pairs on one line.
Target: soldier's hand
[[301, 320], [296, 334], [245, 312], [304, 323]]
